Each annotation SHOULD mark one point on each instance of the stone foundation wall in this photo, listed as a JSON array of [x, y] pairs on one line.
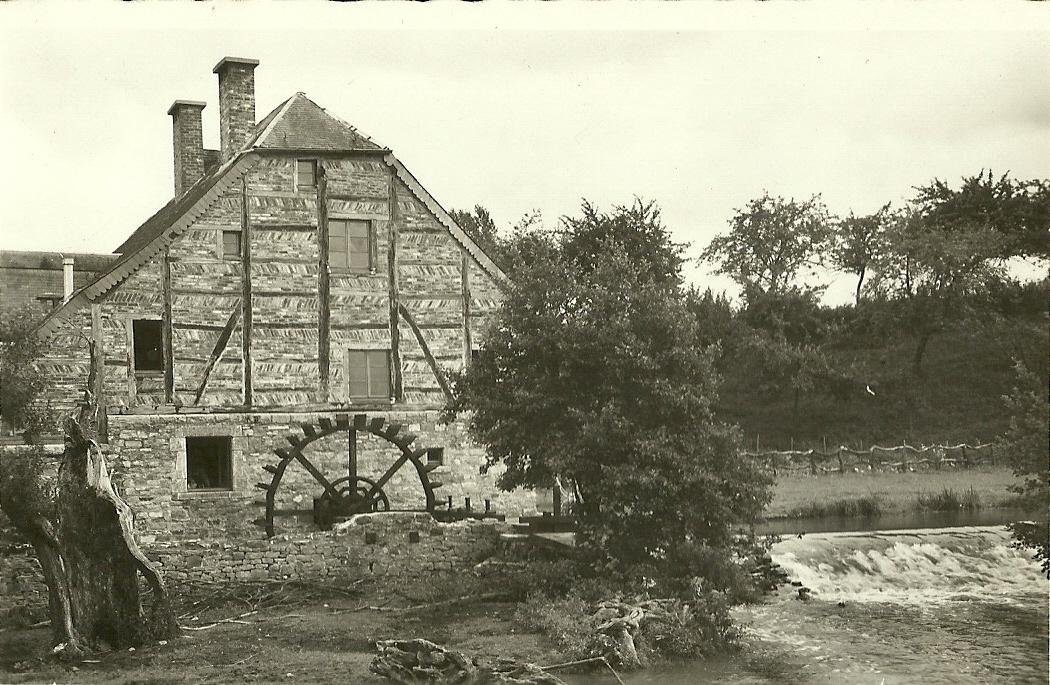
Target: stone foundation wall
[[392, 548], [147, 456]]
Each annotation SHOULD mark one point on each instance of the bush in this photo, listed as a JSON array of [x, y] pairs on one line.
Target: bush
[[948, 500]]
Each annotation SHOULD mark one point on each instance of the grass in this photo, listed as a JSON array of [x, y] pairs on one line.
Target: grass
[[895, 492], [866, 506], [948, 500]]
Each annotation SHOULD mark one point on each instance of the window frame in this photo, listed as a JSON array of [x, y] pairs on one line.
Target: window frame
[[227, 440], [370, 237], [139, 372], [367, 351], [223, 254], [295, 177]]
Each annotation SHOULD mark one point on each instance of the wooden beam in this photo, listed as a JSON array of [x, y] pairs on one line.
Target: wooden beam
[[438, 374], [391, 265], [464, 274], [352, 456], [324, 315], [129, 348], [165, 328], [98, 350], [246, 293], [216, 353]]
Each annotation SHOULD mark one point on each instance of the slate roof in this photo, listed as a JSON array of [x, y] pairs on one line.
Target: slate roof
[[305, 125]]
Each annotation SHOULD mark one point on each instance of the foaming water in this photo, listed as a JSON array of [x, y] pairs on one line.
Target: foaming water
[[940, 606], [912, 566]]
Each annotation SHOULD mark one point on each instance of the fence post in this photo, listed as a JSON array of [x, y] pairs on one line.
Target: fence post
[[812, 465], [842, 471]]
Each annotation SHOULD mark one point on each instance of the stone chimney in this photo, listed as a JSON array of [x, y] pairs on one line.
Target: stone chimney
[[67, 278], [188, 139], [236, 103]]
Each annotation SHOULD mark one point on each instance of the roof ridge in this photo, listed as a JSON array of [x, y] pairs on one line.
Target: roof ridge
[[344, 122]]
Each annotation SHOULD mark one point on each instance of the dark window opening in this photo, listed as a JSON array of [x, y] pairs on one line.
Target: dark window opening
[[149, 347], [475, 353], [209, 465], [231, 244], [436, 455], [306, 173], [369, 373], [349, 244]]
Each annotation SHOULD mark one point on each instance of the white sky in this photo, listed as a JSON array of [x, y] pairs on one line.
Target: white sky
[[697, 107]]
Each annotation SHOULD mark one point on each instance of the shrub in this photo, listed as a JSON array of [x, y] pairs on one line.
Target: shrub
[[948, 500]]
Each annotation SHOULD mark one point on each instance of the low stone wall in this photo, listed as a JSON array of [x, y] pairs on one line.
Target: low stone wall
[[390, 547]]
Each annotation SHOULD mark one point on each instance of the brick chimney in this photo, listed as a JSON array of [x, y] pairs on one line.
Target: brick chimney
[[188, 139], [236, 102], [67, 278]]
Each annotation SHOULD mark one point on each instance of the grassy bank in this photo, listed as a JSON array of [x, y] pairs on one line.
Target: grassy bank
[[868, 494]]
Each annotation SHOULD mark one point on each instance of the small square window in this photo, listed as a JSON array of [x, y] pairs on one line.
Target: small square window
[[231, 245], [209, 463], [306, 173], [148, 344], [368, 373], [436, 455]]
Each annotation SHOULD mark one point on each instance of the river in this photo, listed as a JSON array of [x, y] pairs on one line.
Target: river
[[934, 605]]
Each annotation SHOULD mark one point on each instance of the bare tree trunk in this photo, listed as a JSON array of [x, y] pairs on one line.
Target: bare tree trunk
[[920, 352], [88, 554], [860, 282]]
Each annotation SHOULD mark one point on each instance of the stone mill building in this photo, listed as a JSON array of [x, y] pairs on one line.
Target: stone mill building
[[272, 348]]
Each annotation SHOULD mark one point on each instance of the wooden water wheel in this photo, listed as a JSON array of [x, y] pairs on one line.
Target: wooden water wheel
[[352, 493]]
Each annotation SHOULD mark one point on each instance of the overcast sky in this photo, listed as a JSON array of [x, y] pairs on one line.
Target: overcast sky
[[515, 120]]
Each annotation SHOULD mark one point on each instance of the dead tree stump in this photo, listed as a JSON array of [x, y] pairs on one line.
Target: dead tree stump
[[85, 543]]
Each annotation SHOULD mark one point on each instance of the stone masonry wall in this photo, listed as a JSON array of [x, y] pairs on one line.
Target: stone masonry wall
[[147, 454]]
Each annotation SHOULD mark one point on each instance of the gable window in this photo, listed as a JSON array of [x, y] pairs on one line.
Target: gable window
[[349, 242], [209, 463], [231, 245], [368, 372], [305, 173], [148, 346]]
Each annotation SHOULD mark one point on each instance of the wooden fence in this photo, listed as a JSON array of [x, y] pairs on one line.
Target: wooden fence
[[876, 458]]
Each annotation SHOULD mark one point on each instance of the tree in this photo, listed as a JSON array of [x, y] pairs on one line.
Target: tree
[[1019, 211], [79, 527], [592, 374], [857, 243], [21, 387], [934, 271], [1026, 445], [769, 243], [480, 226]]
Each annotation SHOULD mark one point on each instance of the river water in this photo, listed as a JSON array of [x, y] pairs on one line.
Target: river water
[[934, 605]]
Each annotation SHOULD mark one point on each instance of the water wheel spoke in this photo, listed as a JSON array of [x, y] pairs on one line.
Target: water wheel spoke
[[387, 476], [316, 473]]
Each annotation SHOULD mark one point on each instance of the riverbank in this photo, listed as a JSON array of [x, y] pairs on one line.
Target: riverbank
[[892, 493], [320, 642]]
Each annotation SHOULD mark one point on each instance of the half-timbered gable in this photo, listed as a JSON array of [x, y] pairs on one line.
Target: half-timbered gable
[[291, 315]]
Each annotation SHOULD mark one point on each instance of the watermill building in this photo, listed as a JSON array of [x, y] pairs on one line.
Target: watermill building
[[272, 348]]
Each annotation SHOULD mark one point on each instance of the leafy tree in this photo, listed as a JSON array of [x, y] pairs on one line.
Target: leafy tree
[[770, 241], [1017, 210], [480, 225], [1025, 443], [857, 244], [935, 270], [592, 374], [21, 386]]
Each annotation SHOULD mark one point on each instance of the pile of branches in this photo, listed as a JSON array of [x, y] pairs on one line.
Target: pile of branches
[[422, 661], [199, 598]]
